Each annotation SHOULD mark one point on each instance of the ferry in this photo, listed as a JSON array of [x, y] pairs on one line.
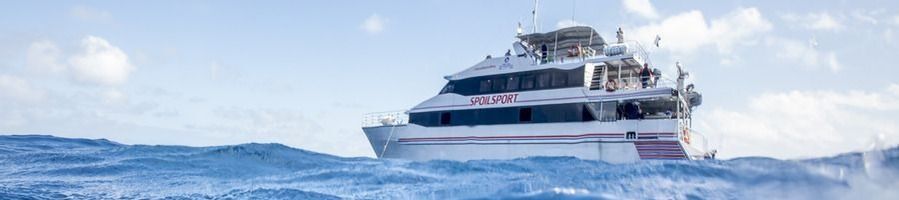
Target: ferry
[[561, 93]]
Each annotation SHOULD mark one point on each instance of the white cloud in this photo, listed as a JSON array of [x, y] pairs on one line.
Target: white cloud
[[568, 23], [805, 123], [374, 24], [100, 62], [815, 21], [738, 27], [832, 63], [219, 70], [91, 14], [44, 56], [825, 22], [113, 96], [805, 54], [214, 69], [888, 35], [640, 7], [681, 33], [866, 17], [686, 32], [18, 90], [896, 20]]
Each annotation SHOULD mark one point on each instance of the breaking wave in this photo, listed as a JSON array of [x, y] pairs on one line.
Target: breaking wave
[[47, 167]]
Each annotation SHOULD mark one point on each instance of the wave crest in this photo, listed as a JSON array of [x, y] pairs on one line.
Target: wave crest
[[47, 167]]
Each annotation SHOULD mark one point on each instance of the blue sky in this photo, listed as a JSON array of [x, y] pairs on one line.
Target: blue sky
[[781, 79]]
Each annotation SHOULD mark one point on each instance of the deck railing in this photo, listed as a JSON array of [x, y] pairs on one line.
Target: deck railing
[[389, 118], [634, 83], [698, 140], [630, 47]]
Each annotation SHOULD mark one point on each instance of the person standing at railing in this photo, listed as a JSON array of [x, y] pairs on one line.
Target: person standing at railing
[[544, 51], [611, 85], [620, 35], [645, 75]]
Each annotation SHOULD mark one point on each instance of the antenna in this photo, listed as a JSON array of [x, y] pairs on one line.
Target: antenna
[[573, 6], [518, 29], [534, 13]]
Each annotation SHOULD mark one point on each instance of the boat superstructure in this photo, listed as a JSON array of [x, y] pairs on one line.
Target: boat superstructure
[[562, 93]]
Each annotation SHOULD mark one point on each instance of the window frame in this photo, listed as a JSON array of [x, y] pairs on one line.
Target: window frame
[[559, 79], [521, 114], [512, 83], [499, 84], [529, 78], [485, 85], [448, 88], [446, 118], [544, 80]]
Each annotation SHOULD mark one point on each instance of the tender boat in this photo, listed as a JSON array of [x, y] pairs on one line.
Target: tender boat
[[560, 93]]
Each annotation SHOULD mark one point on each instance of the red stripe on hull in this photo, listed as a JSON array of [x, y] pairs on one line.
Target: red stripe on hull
[[609, 135]]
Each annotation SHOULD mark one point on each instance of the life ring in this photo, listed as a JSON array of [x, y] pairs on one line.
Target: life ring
[[611, 85]]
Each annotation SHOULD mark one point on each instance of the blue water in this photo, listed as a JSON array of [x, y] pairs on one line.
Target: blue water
[[47, 167]]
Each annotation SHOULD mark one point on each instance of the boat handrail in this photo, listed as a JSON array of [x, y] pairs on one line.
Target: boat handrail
[[627, 47], [388, 118], [696, 136], [634, 83], [630, 47]]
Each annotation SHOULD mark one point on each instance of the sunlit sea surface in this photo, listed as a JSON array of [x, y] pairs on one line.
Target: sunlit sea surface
[[47, 167]]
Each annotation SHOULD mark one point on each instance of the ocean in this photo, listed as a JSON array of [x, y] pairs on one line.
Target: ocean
[[48, 167]]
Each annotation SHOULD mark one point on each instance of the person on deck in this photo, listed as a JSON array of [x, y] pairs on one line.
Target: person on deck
[[620, 35], [611, 85], [544, 51], [573, 52], [645, 75]]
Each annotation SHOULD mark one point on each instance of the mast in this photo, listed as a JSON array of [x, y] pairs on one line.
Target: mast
[[534, 14]]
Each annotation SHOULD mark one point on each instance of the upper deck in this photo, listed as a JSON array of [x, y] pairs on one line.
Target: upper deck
[[541, 86], [564, 49]]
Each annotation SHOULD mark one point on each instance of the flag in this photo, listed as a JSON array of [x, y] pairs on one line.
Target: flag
[[658, 39], [519, 30]]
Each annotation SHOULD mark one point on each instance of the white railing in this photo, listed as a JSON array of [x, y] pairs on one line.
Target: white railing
[[615, 49], [389, 118], [634, 83], [628, 47], [697, 139]]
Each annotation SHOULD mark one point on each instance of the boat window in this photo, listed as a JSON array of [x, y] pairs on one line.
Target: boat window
[[527, 82], [486, 85], [631, 110], [448, 88], [424, 118], [576, 78], [499, 85], [608, 110], [517, 81], [557, 113], [559, 79], [568, 112], [543, 80], [658, 108], [586, 113], [524, 115], [512, 83], [445, 118]]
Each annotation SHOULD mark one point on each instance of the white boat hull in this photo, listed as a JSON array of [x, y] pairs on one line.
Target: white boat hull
[[593, 140]]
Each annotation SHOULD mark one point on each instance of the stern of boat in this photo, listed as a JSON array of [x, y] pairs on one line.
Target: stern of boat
[[695, 145]]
